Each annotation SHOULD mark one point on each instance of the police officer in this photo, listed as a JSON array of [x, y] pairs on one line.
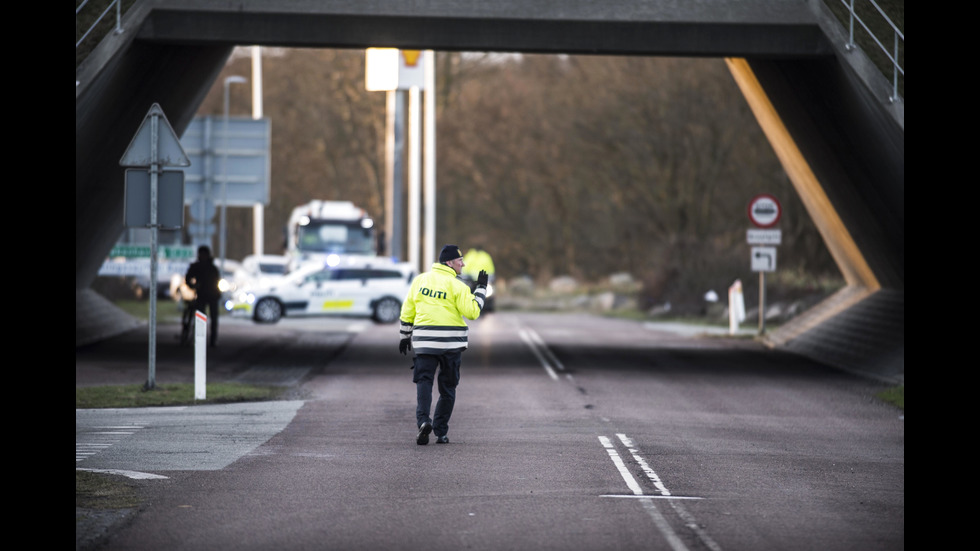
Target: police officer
[[432, 323], [478, 260]]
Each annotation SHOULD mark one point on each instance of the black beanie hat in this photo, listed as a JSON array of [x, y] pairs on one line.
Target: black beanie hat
[[449, 252]]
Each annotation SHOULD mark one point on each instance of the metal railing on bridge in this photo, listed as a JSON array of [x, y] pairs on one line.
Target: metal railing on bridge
[[855, 15], [94, 20], [114, 4], [867, 15]]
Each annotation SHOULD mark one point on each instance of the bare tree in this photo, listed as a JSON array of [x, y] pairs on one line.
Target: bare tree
[[580, 165]]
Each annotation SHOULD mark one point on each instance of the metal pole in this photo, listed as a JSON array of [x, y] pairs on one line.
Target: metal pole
[[414, 187], [201, 235], [154, 169], [224, 169], [257, 83], [762, 303], [398, 178], [258, 210], [390, 206], [429, 235], [224, 180]]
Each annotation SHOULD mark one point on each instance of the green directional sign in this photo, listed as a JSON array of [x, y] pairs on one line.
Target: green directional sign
[[143, 251]]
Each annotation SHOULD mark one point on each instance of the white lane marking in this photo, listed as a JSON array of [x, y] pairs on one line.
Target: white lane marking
[[691, 523], [658, 519], [688, 519], [544, 362], [661, 523], [631, 482], [643, 465], [645, 496], [545, 350], [129, 474]]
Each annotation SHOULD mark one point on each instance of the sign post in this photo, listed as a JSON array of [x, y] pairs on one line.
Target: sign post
[[154, 146], [401, 72], [764, 212]]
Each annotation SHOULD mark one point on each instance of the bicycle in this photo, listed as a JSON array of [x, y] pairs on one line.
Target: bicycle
[[187, 321]]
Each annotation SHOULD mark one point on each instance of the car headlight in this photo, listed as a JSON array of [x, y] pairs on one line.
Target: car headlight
[[242, 297]]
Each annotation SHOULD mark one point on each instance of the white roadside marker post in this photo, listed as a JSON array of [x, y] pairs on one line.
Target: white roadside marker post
[[200, 354]]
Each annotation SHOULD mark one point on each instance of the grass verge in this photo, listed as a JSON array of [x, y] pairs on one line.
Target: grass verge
[[102, 503], [102, 491], [167, 310], [894, 395], [178, 394]]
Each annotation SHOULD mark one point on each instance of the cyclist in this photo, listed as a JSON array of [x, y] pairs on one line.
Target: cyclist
[[203, 276]]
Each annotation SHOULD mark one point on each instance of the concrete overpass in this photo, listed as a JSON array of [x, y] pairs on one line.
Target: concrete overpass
[[825, 110]]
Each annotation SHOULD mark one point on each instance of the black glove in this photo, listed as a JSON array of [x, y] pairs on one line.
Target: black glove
[[481, 280], [404, 346]]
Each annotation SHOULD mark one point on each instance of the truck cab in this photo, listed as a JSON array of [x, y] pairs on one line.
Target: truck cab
[[324, 230]]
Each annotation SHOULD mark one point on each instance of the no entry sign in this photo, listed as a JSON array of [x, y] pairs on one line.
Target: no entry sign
[[764, 210]]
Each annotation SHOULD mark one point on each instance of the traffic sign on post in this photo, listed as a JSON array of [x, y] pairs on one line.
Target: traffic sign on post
[[763, 259], [764, 237], [170, 199], [155, 143], [154, 146], [764, 210]]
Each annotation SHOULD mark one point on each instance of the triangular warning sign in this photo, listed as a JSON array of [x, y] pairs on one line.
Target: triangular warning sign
[[168, 152]]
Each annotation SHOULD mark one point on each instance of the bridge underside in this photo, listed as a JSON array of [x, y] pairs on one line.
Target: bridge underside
[[843, 144]]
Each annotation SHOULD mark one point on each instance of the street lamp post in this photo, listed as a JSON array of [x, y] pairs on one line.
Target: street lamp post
[[234, 79]]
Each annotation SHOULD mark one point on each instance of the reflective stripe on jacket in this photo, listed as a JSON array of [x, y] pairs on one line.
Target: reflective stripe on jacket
[[432, 313]]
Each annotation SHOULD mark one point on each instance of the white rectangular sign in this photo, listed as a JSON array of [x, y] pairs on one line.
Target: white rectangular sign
[[141, 267], [764, 237], [239, 158], [763, 259]]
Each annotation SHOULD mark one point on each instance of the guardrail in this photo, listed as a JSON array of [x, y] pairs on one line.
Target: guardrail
[[894, 55], [113, 4]]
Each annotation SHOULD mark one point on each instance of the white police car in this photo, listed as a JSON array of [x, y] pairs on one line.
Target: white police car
[[369, 289]]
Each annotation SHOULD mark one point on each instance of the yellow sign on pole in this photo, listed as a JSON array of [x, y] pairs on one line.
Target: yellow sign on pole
[[411, 70], [411, 57]]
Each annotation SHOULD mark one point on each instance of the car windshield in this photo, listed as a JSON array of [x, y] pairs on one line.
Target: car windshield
[[327, 236]]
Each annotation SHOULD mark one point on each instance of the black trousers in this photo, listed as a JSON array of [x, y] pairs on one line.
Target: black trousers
[[443, 369]]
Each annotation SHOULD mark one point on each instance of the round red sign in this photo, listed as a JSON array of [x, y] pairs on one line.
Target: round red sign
[[764, 210]]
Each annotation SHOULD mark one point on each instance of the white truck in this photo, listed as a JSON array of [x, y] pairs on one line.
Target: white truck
[[328, 231]]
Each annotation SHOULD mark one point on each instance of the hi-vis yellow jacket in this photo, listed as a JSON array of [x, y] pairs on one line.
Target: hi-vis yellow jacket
[[432, 314], [476, 260]]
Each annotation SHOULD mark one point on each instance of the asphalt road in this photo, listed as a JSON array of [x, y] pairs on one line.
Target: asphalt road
[[571, 432]]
